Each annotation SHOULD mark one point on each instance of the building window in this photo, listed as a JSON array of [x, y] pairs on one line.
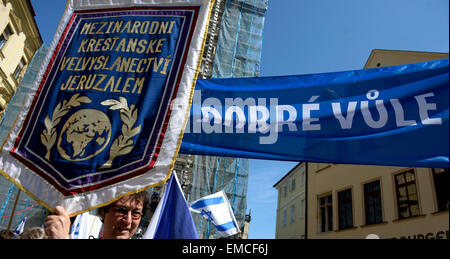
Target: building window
[[293, 185], [407, 200], [326, 213], [4, 36], [302, 208], [285, 191], [302, 178], [19, 68], [372, 202], [292, 213], [345, 209], [441, 181], [284, 218]]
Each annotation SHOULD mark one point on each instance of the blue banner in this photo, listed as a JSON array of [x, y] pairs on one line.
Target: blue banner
[[394, 116], [106, 98]]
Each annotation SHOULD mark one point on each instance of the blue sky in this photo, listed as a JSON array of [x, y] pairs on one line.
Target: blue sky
[[316, 36]]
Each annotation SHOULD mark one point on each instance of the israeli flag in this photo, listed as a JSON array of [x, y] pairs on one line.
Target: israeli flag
[[217, 209], [76, 226], [86, 226], [20, 227], [172, 218]]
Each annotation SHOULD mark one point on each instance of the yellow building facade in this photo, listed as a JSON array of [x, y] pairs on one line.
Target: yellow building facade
[[19, 41], [291, 205], [355, 201]]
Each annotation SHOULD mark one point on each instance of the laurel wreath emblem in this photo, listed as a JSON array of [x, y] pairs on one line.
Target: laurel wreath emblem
[[123, 144], [49, 134]]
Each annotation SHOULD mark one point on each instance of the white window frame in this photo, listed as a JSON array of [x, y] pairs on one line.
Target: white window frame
[[325, 206], [302, 178], [19, 68], [284, 219], [302, 208], [6, 35], [292, 212]]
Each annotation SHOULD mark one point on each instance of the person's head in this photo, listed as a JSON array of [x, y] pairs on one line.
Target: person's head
[[4, 234], [33, 233], [121, 218]]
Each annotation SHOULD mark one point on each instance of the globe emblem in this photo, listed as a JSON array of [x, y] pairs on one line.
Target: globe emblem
[[84, 135]]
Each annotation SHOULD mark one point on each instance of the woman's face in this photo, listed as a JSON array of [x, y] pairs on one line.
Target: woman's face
[[122, 219]]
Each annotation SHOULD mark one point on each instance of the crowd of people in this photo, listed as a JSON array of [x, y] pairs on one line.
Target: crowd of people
[[120, 220]]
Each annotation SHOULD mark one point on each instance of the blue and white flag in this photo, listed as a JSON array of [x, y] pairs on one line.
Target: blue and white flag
[[20, 227], [172, 218], [217, 209], [85, 226]]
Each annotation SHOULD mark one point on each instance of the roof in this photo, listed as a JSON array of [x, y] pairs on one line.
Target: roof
[[384, 57], [286, 175], [33, 14]]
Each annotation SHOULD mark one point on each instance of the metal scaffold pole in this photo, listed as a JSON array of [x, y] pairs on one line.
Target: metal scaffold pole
[[13, 210]]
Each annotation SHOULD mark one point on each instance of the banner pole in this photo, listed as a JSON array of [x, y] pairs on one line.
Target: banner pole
[[13, 210]]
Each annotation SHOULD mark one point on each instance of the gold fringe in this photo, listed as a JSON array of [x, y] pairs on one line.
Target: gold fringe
[[32, 196], [176, 151]]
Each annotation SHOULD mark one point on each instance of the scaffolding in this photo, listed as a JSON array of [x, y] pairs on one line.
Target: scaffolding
[[233, 49], [240, 39], [211, 174], [10, 195]]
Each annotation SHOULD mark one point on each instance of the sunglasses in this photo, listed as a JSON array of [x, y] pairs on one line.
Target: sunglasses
[[122, 211]]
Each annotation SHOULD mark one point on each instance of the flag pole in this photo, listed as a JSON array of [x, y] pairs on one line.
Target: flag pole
[[13, 210]]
